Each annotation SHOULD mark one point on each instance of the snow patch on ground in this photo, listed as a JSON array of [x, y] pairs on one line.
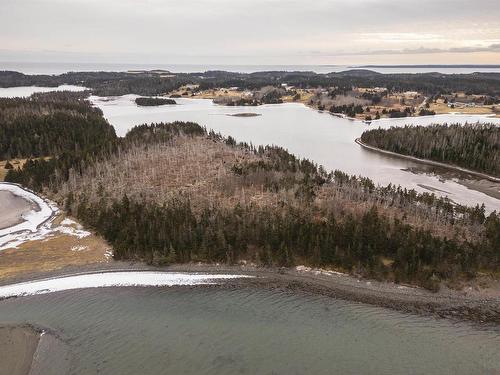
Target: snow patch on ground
[[79, 248], [69, 222], [114, 279], [37, 224], [72, 231]]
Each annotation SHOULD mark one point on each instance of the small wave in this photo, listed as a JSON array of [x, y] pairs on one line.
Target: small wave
[[112, 279]]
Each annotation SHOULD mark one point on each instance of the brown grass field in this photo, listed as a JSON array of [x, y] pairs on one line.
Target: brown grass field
[[52, 253]]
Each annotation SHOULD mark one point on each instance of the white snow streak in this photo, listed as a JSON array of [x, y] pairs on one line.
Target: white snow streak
[[114, 279], [33, 218], [37, 224]]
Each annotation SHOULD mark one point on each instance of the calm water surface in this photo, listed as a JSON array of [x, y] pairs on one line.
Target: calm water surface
[[250, 331], [23, 91], [321, 137]]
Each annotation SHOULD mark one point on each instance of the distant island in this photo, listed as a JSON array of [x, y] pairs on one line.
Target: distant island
[[244, 114], [150, 102]]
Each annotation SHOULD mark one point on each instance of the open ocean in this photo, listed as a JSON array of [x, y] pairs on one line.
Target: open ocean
[[59, 68]]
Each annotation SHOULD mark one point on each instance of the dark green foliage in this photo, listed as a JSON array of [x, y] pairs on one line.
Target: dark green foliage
[[272, 97], [286, 236], [154, 101], [231, 102], [162, 132], [50, 124], [350, 110], [375, 98], [157, 83], [394, 113], [426, 112], [62, 126], [473, 146], [101, 83]]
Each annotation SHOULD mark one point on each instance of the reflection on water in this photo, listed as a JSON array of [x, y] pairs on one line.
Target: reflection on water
[[321, 137], [249, 331]]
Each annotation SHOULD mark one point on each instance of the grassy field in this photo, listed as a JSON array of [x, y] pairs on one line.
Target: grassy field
[[52, 253], [16, 163], [442, 108]]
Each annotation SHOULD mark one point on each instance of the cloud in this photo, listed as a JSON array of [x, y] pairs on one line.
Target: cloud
[[423, 50], [251, 31]]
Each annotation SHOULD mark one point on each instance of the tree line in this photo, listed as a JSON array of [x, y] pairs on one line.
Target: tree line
[[151, 102], [57, 132], [49, 125], [157, 83]]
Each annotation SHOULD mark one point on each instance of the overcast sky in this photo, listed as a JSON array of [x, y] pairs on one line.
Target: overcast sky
[[251, 31]]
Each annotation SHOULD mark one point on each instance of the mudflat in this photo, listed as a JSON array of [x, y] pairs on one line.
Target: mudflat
[[12, 208], [17, 345]]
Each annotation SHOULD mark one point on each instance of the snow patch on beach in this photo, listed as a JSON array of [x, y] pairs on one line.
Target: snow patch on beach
[[112, 279], [67, 221], [38, 223], [318, 271], [33, 218]]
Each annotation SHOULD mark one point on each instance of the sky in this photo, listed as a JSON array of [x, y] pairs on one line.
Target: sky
[[251, 31]]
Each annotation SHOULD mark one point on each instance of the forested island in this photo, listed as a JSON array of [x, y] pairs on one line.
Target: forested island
[[151, 102], [175, 193], [245, 114], [472, 146]]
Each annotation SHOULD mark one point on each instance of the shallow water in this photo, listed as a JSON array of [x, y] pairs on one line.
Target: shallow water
[[181, 330], [328, 140], [12, 208]]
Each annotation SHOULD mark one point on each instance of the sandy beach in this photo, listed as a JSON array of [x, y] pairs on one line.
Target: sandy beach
[[30, 350], [17, 345]]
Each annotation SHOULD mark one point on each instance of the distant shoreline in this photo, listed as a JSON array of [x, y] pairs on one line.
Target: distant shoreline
[[445, 66], [57, 68]]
